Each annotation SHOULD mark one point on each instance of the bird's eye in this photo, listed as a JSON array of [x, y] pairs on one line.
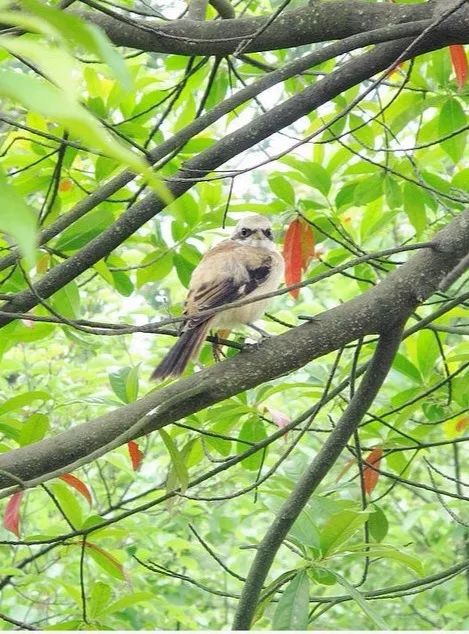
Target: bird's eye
[[268, 234], [244, 232]]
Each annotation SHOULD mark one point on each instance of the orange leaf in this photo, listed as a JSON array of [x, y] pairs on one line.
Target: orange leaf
[[459, 62], [136, 456], [65, 185], [298, 249], [77, 484], [462, 423], [370, 476], [11, 518]]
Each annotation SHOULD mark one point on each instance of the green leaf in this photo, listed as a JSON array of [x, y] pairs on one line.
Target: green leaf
[[18, 220], [41, 96], [414, 207], [106, 561], [392, 192], [427, 352], [282, 188], [339, 528], [23, 400], [368, 189], [129, 601], [402, 364], [72, 29], [359, 599], [183, 268], [293, 606], [84, 230], [99, 598], [124, 383], [66, 301], [305, 531], [322, 576], [378, 524], [33, 429], [389, 552], [253, 431], [154, 266], [176, 459], [452, 117], [68, 503]]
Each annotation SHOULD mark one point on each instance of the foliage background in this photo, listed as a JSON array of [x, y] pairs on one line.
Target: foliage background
[[388, 171]]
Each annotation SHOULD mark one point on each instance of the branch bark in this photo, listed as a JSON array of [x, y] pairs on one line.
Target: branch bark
[[318, 22], [376, 311]]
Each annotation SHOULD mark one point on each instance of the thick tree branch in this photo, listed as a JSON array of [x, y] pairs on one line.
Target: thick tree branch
[[319, 22], [376, 311]]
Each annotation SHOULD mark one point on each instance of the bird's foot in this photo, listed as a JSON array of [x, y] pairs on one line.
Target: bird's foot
[[217, 352]]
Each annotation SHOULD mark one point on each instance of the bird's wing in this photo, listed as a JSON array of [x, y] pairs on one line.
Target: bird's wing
[[225, 274]]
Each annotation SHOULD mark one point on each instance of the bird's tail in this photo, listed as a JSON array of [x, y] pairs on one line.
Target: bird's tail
[[186, 348]]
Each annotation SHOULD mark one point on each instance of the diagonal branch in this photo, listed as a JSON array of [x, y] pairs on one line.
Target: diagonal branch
[[352, 73], [363, 398], [388, 303]]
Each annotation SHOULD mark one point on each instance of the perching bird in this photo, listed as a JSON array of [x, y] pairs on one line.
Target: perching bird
[[246, 265]]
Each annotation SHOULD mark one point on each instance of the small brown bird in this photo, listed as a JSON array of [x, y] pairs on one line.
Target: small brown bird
[[246, 265]]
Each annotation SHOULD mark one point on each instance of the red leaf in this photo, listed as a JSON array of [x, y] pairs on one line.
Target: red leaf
[[77, 484], [136, 456], [307, 244], [298, 249], [370, 476], [459, 62], [11, 518]]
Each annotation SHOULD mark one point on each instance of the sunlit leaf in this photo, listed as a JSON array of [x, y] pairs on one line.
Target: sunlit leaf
[[18, 220]]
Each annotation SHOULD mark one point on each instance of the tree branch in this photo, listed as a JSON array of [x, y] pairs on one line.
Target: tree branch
[[201, 123], [355, 71], [370, 385], [318, 22], [376, 311]]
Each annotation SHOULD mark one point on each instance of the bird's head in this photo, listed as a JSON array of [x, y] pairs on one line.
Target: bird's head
[[254, 231]]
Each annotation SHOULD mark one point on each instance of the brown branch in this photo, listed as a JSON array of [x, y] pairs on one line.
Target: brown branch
[[375, 311]]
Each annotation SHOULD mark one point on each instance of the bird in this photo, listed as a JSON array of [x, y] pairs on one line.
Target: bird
[[243, 266]]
